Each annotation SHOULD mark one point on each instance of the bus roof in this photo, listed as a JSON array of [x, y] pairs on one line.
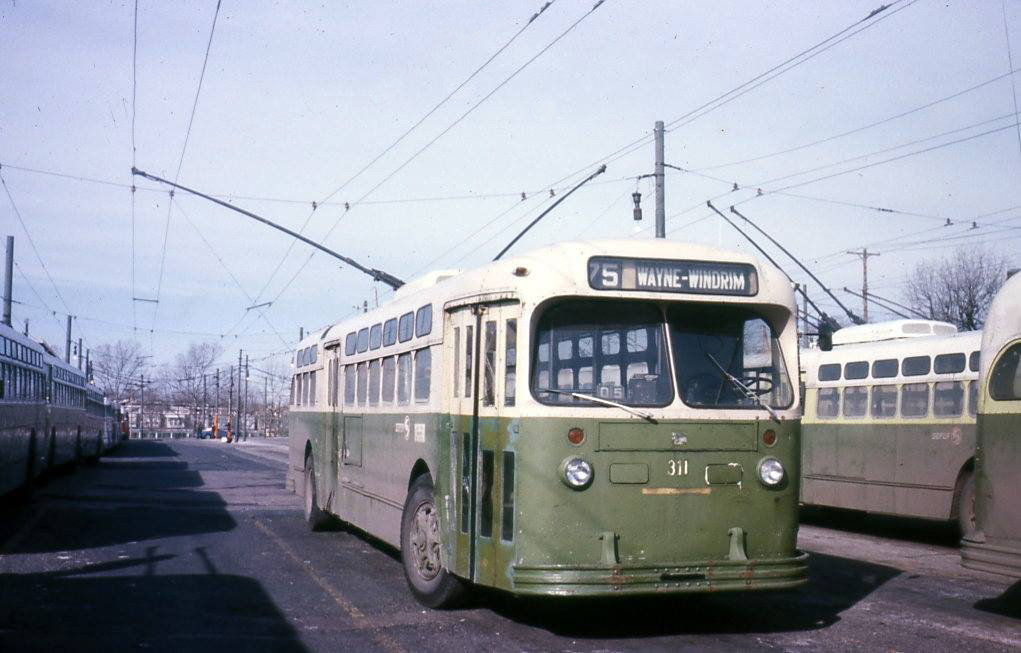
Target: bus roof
[[1003, 323], [891, 330], [562, 269]]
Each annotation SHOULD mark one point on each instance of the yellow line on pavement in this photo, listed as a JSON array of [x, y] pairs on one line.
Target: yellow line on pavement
[[357, 616]]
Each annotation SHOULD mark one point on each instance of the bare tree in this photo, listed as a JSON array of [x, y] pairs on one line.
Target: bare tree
[[182, 380], [116, 368], [958, 289]]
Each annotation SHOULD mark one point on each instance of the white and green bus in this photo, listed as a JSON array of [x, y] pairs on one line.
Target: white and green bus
[[590, 418], [889, 424], [995, 545]]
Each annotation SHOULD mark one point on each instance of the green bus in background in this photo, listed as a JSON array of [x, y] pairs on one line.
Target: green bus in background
[[996, 543], [889, 424], [590, 418]]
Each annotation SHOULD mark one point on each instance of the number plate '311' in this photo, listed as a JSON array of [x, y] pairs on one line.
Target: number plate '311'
[[677, 468]]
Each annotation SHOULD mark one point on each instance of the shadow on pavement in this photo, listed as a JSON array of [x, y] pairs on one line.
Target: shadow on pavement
[[1007, 604], [836, 584], [129, 499], [79, 610], [902, 528]]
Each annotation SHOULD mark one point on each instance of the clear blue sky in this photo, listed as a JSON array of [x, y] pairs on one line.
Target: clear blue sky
[[297, 97]]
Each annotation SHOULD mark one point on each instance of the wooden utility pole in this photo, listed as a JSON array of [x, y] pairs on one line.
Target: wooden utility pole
[[864, 255]]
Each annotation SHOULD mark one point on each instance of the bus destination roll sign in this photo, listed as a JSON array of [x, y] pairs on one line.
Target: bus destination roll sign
[[657, 275]]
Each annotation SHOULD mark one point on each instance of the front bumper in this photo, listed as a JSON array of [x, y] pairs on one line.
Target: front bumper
[[687, 578]]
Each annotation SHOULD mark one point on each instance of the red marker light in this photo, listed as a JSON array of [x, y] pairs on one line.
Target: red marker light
[[576, 436], [769, 438]]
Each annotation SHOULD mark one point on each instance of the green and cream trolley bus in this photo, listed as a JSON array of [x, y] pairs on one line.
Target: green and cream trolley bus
[[592, 418], [889, 424], [996, 543]]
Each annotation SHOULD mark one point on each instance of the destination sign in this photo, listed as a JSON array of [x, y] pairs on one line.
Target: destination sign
[[657, 275]]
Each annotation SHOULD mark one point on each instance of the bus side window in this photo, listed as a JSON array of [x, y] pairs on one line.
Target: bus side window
[[884, 400], [349, 384], [423, 374], [457, 359], [489, 360], [828, 402], [469, 344], [856, 400], [948, 398], [914, 399], [374, 383], [389, 370], [510, 362], [311, 388], [363, 383], [404, 378], [973, 398]]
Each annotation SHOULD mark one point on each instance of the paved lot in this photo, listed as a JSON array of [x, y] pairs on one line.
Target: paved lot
[[196, 546]]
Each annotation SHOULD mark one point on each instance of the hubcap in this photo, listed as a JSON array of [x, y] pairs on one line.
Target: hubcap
[[425, 541]]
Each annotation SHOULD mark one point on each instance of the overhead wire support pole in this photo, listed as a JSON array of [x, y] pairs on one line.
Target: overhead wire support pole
[[377, 275], [542, 215], [864, 255], [768, 257], [660, 186], [850, 314]]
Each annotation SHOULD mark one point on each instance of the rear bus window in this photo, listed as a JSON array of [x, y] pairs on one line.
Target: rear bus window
[[1005, 378]]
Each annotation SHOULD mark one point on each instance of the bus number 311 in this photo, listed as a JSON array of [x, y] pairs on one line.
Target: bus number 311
[[677, 468]]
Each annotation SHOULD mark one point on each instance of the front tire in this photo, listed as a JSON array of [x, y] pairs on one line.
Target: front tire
[[966, 506], [429, 581], [314, 516]]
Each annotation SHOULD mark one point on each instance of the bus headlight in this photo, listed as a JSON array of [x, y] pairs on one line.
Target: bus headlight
[[771, 472], [576, 473]]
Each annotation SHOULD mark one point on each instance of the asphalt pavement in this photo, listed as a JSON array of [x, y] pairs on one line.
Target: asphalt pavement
[[196, 545]]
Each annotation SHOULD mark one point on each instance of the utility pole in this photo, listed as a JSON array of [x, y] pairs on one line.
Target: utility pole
[[265, 406], [246, 395], [67, 342], [79, 356], [230, 399], [240, 426], [864, 255], [216, 420], [141, 407], [9, 281], [660, 190], [205, 404]]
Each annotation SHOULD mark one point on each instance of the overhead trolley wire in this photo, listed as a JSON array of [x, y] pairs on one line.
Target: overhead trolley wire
[[446, 130], [386, 150], [1010, 62], [862, 128], [791, 63], [180, 162]]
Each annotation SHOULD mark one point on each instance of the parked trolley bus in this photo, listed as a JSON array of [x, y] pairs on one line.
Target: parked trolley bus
[[591, 418], [996, 543], [889, 423]]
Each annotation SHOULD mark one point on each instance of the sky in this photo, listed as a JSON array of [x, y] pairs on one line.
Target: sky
[[296, 98]]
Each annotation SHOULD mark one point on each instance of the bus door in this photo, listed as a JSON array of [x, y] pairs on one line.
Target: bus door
[[485, 336]]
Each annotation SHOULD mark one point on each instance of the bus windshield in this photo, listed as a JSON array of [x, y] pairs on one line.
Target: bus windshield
[[727, 357], [612, 350]]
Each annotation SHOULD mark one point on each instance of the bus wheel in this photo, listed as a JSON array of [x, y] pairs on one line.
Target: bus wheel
[[966, 505], [314, 516], [432, 585]]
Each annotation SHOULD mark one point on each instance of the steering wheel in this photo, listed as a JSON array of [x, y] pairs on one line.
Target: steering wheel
[[760, 384]]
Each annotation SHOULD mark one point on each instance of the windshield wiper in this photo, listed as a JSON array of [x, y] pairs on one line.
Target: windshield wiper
[[745, 390], [605, 402]]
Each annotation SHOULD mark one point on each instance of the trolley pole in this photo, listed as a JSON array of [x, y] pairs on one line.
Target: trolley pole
[[864, 255], [660, 186], [9, 280]]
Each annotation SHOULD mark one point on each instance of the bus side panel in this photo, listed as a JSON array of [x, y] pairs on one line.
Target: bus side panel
[[929, 459], [998, 507]]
